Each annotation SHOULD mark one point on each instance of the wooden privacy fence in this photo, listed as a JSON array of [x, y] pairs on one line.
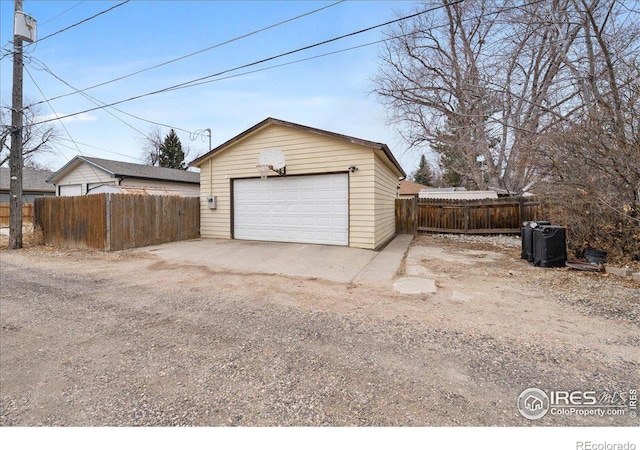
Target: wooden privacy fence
[[27, 213], [502, 215], [116, 221]]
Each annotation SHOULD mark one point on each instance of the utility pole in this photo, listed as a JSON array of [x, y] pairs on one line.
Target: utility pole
[[15, 157]]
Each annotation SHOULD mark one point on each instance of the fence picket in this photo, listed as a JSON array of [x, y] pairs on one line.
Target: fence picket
[[116, 221], [502, 215], [27, 213]]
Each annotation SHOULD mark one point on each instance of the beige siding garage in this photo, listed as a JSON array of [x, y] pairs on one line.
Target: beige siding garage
[[372, 188]]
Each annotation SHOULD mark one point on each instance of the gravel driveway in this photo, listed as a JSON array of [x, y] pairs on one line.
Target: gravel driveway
[[127, 339]]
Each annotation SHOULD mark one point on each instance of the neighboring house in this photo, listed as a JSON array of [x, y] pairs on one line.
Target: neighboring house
[[409, 189], [83, 174], [34, 184], [337, 189], [456, 193]]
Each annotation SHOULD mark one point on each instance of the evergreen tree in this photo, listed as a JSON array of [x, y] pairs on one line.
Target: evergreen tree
[[423, 174], [453, 158], [171, 153]]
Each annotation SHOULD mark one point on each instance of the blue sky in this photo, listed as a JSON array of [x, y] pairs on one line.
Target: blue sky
[[332, 92]]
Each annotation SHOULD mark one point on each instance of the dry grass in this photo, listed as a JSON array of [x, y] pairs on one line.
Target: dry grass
[[31, 237], [592, 224]]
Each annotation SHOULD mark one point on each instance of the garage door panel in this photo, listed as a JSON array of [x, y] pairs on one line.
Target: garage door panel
[[339, 223], [310, 209], [70, 190]]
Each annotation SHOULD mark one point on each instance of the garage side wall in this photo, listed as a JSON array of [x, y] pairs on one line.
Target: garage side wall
[[306, 153], [386, 191], [82, 175], [188, 189]]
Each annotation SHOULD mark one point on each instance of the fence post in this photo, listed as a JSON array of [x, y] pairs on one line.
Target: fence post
[[414, 216], [466, 218], [108, 221], [521, 210]]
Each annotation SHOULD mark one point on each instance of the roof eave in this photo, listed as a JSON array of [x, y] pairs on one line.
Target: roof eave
[[272, 121], [155, 179], [68, 166]]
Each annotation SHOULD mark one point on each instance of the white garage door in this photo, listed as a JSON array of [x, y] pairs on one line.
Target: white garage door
[[70, 190], [312, 209]]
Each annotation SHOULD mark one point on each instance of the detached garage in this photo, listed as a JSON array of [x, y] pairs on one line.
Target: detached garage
[[316, 187]]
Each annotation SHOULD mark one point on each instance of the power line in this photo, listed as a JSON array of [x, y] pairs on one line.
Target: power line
[[76, 143], [35, 43], [237, 38], [96, 148], [322, 55], [63, 12], [271, 58], [61, 122], [82, 21], [96, 101], [100, 103]]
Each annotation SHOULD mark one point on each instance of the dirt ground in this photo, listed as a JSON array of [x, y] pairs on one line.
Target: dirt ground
[[125, 338]]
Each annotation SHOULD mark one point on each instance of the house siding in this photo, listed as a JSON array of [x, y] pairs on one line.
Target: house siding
[[188, 189], [306, 153], [385, 193], [83, 175]]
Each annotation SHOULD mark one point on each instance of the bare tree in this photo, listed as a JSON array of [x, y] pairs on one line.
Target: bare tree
[[151, 146], [594, 159], [431, 80], [514, 94], [478, 83], [36, 139]]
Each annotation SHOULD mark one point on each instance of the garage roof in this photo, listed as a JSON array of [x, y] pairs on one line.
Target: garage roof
[[272, 121], [118, 169], [32, 180]]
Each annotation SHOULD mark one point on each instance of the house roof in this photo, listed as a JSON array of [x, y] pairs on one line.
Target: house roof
[[118, 169], [32, 180], [410, 188], [272, 121]]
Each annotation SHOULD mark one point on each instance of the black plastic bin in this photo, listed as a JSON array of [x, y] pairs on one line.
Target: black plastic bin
[[549, 246], [594, 256], [527, 238]]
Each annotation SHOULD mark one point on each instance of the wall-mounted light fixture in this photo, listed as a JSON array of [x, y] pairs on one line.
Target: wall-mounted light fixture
[[352, 169]]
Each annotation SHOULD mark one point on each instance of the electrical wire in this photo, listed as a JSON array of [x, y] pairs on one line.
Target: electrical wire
[[262, 61], [61, 122], [82, 21], [76, 143], [96, 148], [101, 104], [188, 55], [63, 12], [31, 46], [275, 66], [96, 101], [193, 84]]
